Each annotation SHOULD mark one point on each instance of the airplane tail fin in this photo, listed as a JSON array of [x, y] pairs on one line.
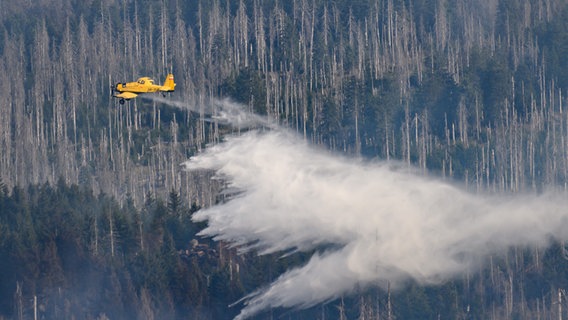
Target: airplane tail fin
[[169, 84]]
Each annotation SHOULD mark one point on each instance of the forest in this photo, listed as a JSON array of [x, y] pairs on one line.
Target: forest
[[95, 211]]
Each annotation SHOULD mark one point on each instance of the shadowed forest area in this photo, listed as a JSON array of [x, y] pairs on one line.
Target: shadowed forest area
[[95, 211]]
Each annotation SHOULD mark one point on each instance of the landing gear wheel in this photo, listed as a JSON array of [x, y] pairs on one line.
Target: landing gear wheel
[[121, 101]]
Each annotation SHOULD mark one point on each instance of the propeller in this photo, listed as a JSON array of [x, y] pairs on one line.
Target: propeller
[[113, 88]]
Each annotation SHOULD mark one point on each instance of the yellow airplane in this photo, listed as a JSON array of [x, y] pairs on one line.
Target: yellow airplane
[[130, 90]]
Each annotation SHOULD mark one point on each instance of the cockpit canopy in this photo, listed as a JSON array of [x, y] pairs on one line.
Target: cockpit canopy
[[145, 80]]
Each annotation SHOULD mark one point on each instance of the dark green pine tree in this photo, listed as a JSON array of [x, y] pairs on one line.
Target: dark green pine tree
[[174, 203]]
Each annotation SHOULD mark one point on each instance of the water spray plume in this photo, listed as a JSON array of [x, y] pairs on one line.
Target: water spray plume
[[379, 222], [221, 111]]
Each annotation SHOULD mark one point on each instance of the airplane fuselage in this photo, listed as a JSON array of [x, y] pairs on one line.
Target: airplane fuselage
[[143, 85]]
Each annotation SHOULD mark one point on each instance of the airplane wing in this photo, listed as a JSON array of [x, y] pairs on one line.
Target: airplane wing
[[126, 95]]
